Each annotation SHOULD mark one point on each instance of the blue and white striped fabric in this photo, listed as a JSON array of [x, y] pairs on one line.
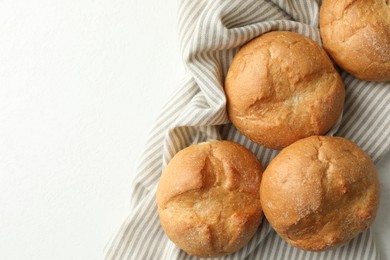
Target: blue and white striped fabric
[[211, 32]]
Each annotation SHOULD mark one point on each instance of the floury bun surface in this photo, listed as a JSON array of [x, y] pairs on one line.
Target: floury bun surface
[[208, 199], [356, 33], [320, 192], [282, 87]]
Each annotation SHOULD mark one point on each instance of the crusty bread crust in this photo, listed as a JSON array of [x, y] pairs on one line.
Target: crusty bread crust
[[208, 199], [282, 87], [320, 192], [356, 33]]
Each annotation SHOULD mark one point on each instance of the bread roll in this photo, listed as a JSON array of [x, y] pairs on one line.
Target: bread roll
[[320, 192], [356, 33], [282, 87], [208, 199]]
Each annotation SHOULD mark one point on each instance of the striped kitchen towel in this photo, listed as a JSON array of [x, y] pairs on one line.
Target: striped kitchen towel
[[211, 32]]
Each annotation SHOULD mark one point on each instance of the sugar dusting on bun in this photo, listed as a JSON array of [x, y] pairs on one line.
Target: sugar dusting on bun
[[356, 33], [320, 192]]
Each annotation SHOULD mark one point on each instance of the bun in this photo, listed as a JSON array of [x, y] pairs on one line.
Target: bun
[[282, 87], [320, 192], [356, 33], [208, 199]]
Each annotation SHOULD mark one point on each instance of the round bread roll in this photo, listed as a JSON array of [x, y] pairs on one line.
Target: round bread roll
[[282, 87], [208, 199], [356, 33], [320, 192]]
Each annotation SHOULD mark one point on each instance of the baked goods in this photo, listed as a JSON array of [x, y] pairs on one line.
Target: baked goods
[[320, 192], [208, 199], [282, 87], [356, 33]]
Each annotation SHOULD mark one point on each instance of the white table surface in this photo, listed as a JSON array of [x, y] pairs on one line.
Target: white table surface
[[81, 83]]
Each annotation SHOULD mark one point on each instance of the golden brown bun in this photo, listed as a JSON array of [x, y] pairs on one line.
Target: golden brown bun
[[282, 87], [320, 192], [356, 33], [208, 198]]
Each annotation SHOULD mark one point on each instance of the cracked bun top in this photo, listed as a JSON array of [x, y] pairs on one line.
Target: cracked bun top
[[356, 33], [208, 199], [320, 192], [282, 87]]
